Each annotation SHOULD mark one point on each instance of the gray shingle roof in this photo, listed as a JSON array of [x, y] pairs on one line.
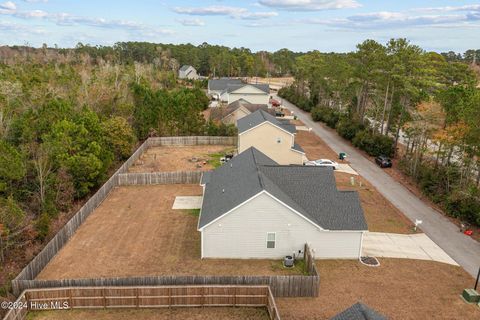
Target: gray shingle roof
[[297, 147], [222, 83], [185, 67], [259, 117], [221, 112], [310, 190], [359, 311]]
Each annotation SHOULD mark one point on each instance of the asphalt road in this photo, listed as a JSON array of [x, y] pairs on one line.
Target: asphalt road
[[463, 249]]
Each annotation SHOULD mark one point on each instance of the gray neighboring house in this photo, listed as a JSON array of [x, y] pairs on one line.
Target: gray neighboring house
[[217, 86], [359, 311], [188, 72], [254, 208]]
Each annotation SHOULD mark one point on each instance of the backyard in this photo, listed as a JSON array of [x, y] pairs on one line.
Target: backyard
[[154, 240], [154, 314], [400, 289], [181, 158]]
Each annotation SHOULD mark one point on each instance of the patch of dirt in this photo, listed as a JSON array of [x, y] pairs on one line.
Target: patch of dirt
[[399, 289], [135, 232], [178, 158], [212, 313], [315, 148]]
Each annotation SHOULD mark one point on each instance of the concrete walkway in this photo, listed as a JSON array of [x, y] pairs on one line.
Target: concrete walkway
[[407, 246], [187, 202], [463, 249]]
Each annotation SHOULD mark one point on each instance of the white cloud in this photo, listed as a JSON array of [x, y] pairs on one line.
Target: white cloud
[[233, 12], [191, 22], [66, 19], [310, 5], [453, 16], [35, 1], [8, 6]]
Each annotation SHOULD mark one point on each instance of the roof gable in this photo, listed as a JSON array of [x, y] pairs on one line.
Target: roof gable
[[260, 116]]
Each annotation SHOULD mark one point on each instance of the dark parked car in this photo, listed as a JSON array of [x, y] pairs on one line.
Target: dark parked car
[[383, 161]]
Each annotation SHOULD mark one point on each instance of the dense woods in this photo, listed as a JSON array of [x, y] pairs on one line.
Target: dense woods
[[68, 118], [397, 99]]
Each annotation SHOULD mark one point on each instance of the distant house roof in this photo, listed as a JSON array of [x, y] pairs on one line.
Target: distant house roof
[[259, 117], [185, 67], [222, 83], [359, 311], [309, 190], [233, 87], [221, 112]]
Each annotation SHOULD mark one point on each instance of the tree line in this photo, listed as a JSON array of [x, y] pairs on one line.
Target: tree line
[[397, 99], [67, 120]]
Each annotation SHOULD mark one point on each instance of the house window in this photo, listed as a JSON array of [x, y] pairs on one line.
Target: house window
[[279, 140], [271, 240]]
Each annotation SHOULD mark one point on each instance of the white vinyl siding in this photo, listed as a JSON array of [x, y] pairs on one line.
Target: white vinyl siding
[[253, 98], [242, 234]]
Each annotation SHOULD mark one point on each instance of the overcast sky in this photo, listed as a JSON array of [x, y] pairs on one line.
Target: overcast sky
[[300, 25]]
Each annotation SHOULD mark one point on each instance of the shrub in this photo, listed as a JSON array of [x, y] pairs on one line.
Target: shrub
[[348, 128], [327, 115], [373, 144]]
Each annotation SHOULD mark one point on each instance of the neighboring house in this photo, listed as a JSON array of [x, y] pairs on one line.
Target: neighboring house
[[253, 93], [254, 208], [359, 311], [271, 136], [217, 86], [237, 110], [187, 72]]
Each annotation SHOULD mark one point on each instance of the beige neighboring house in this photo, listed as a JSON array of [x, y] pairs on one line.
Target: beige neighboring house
[[187, 72], [236, 111], [274, 138], [253, 93]]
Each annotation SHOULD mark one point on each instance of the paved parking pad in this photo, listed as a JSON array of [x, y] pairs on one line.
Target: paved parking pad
[[343, 167], [187, 202], [407, 246]]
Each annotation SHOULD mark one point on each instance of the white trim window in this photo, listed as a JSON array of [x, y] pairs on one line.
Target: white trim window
[[271, 238]]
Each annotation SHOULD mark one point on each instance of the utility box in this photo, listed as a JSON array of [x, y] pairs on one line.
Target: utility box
[[471, 296]]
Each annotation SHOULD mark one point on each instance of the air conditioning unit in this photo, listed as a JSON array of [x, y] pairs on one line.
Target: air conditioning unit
[[288, 262]]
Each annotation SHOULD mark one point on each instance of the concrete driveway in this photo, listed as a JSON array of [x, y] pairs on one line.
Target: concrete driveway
[[408, 246], [463, 249]]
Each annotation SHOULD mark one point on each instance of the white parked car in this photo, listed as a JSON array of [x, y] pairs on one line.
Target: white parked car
[[322, 163]]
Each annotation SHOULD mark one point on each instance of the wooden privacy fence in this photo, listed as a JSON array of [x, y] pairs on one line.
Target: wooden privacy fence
[[281, 286], [191, 141], [59, 240], [144, 297], [178, 177]]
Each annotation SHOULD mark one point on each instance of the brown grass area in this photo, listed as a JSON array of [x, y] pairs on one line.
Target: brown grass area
[[135, 232], [381, 215], [399, 289], [151, 314], [315, 148], [177, 158]]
